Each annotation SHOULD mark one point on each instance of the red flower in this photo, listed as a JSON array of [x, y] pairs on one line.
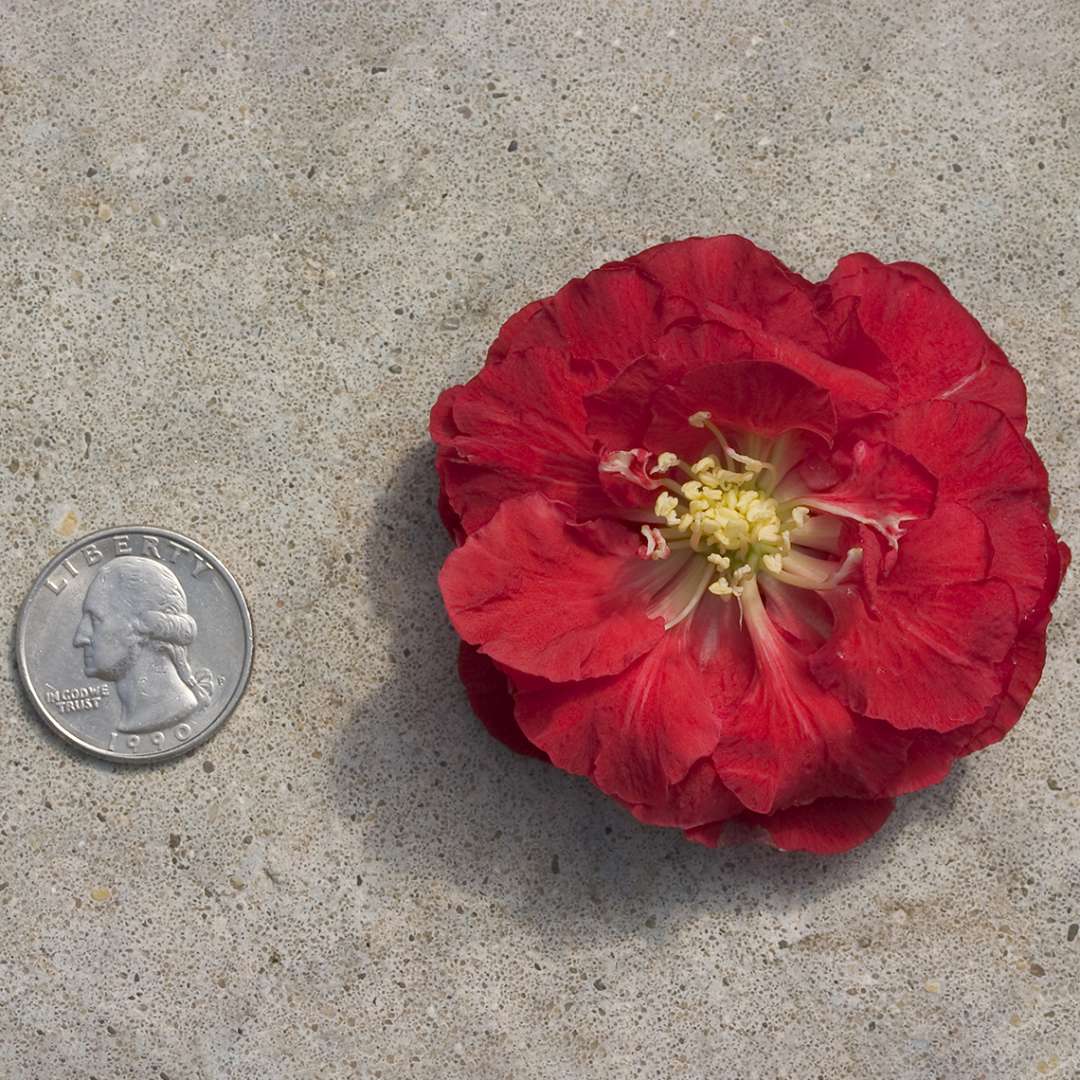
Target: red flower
[[753, 554]]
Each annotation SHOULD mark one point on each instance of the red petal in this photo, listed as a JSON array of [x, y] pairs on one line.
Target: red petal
[[489, 694], [478, 490], [1029, 656], [971, 448], [619, 414], [698, 798], [730, 281], [823, 827], [516, 332], [884, 488], [855, 390], [614, 314], [827, 826], [936, 347], [981, 462], [934, 652], [998, 385], [765, 399], [801, 614], [734, 273], [547, 597], [787, 740], [639, 733], [951, 547], [519, 426], [447, 514]]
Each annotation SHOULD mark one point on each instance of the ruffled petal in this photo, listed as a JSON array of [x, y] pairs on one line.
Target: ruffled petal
[[786, 740], [1028, 657], [750, 294], [519, 426], [935, 346], [638, 734], [447, 514], [472, 492], [758, 398], [854, 390], [699, 798], [981, 462], [824, 827], [733, 273], [884, 488], [614, 314], [619, 414], [800, 614], [933, 652], [491, 699], [548, 597]]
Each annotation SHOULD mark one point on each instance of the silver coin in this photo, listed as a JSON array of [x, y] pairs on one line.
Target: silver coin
[[135, 644]]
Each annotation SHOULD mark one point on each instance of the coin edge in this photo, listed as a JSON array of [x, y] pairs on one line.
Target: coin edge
[[105, 754]]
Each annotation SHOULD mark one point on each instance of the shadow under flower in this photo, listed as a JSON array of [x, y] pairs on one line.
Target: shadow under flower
[[433, 794]]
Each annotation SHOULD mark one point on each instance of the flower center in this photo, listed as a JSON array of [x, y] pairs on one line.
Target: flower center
[[722, 512]]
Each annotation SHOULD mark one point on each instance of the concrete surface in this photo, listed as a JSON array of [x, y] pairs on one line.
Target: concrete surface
[[242, 246]]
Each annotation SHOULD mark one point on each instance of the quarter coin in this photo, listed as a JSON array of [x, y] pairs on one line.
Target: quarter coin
[[135, 644]]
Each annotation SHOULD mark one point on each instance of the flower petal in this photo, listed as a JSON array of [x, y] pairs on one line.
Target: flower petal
[[698, 798], [639, 733], [824, 827], [734, 273], [884, 488], [619, 414], [934, 651], [935, 346], [518, 426], [801, 614], [490, 696], [788, 741], [743, 396], [750, 294], [1029, 656], [474, 491], [981, 462], [614, 314], [540, 594]]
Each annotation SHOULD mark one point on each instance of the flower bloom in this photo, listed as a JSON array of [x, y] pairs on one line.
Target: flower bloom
[[755, 555]]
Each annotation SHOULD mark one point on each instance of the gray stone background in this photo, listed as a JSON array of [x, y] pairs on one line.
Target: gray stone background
[[242, 247]]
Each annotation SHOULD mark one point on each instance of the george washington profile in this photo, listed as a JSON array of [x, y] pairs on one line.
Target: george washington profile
[[135, 631]]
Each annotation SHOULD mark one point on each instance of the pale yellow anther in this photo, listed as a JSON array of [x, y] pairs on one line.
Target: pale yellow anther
[[720, 512], [745, 501], [722, 587], [769, 534], [666, 505]]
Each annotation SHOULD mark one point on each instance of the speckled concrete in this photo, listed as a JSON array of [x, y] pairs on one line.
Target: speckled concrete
[[242, 246]]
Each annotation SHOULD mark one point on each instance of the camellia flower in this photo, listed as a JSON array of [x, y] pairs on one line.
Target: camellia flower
[[755, 555]]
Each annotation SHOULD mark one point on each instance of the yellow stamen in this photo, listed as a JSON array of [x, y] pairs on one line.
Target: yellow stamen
[[722, 514]]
